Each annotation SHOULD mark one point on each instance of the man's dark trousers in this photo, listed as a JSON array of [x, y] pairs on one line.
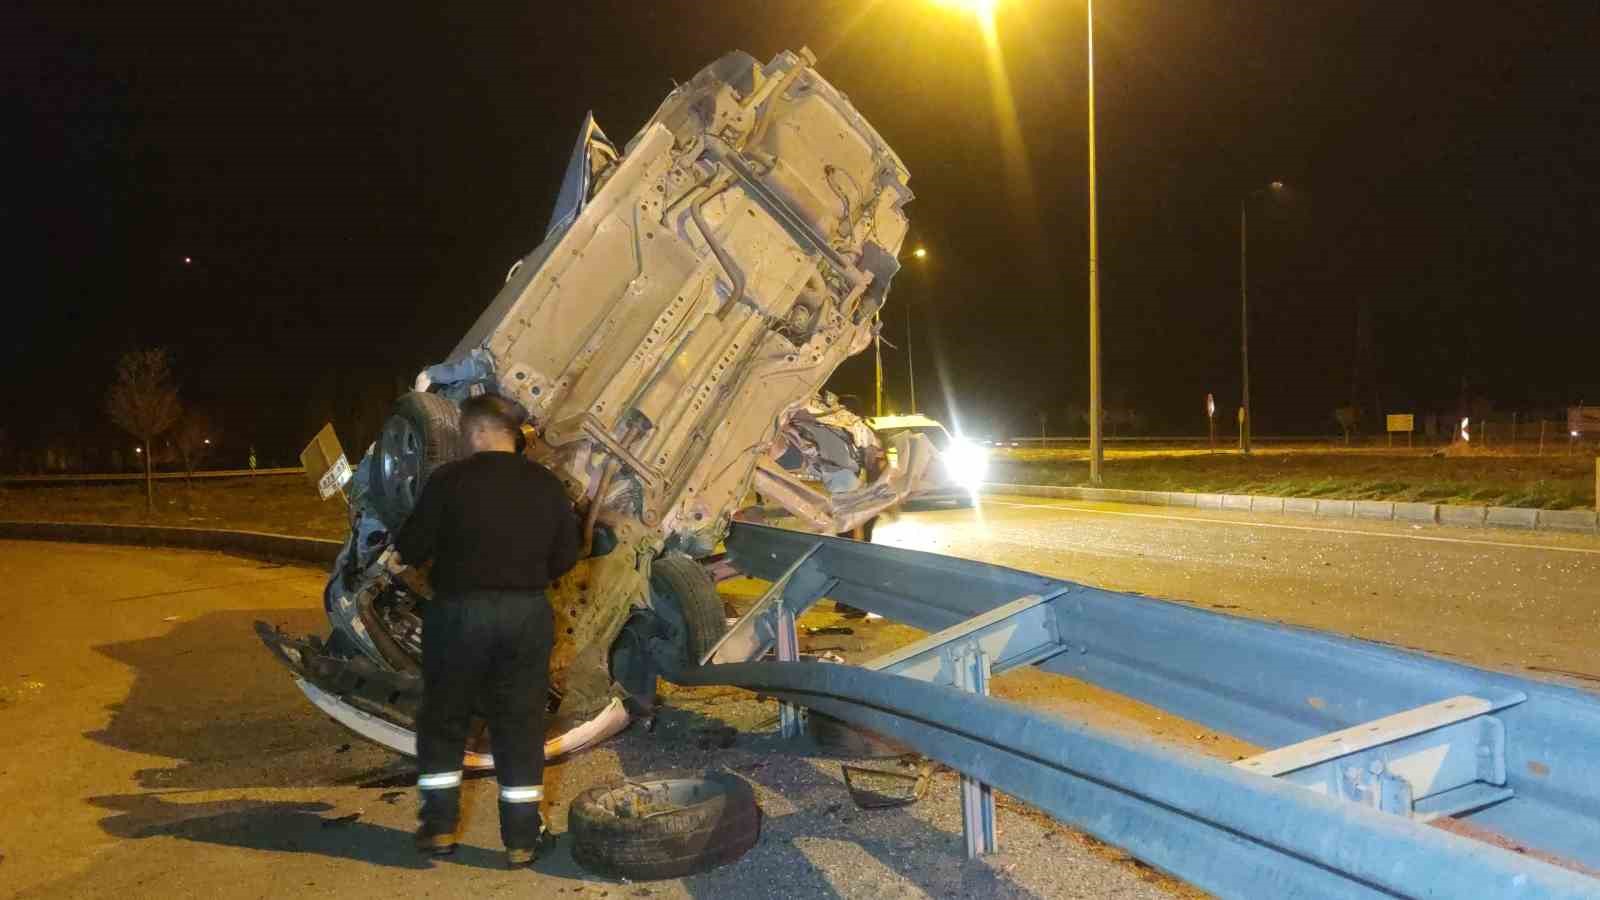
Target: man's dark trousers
[[489, 649]]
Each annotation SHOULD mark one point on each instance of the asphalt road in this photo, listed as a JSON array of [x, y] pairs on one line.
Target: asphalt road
[[1491, 597], [149, 746]]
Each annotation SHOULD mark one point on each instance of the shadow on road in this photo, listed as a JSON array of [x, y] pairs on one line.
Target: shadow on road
[[209, 697], [259, 825]]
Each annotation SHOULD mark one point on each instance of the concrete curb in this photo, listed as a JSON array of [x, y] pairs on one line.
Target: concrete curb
[[318, 551], [1569, 520], [1566, 520]]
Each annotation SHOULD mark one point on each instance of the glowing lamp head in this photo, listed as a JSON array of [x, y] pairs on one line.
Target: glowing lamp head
[[982, 9]]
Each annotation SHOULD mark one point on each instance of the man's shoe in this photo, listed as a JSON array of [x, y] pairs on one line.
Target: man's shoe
[[521, 859], [431, 844]]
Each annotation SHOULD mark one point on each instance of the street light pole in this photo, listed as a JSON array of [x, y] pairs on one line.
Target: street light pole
[[911, 369], [1096, 447], [1244, 329], [877, 355], [921, 253], [1246, 422]]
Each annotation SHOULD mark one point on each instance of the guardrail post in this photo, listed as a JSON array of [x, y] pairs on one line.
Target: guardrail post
[[788, 650], [977, 798]]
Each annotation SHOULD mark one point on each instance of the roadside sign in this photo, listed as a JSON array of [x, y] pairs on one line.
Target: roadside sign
[[1405, 422], [325, 463], [1211, 420]]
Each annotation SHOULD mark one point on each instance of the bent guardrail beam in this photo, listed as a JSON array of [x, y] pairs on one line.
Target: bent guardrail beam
[[1217, 827], [1528, 772]]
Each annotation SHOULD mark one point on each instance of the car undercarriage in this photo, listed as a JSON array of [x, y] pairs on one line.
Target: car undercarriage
[[695, 289]]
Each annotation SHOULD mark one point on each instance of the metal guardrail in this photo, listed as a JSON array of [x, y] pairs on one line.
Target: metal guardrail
[[1379, 740], [158, 476], [1385, 739], [1223, 441]]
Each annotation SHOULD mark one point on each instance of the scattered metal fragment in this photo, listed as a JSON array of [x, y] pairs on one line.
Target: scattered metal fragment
[[887, 789]]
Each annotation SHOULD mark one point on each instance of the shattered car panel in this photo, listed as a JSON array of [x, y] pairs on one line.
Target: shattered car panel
[[692, 294]]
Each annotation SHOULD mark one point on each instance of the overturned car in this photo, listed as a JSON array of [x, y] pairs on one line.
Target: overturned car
[[695, 289]]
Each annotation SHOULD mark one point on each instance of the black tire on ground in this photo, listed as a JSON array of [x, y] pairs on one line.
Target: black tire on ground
[[683, 582], [664, 828], [421, 434]]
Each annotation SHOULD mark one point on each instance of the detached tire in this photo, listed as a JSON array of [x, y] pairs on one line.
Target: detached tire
[[422, 433], [683, 583], [665, 828]]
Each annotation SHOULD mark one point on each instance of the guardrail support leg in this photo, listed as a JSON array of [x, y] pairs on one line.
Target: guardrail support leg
[[977, 798], [788, 650]]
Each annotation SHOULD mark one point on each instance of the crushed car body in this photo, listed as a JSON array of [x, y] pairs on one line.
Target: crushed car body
[[695, 289]]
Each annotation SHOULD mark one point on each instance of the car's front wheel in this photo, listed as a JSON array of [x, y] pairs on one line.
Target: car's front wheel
[[421, 434]]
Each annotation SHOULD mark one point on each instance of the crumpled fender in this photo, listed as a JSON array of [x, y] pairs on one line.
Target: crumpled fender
[[837, 513]]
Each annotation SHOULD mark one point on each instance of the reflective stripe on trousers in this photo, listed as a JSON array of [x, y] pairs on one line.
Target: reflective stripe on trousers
[[438, 780], [521, 794]]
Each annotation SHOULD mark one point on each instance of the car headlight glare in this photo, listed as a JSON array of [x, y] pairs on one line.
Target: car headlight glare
[[967, 464]]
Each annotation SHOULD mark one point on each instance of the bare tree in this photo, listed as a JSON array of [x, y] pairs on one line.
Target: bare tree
[[196, 433], [1349, 417], [143, 401]]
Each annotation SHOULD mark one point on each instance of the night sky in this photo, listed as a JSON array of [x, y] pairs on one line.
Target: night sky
[[352, 181]]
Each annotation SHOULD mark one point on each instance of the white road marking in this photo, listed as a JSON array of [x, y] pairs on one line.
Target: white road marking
[[1591, 551]]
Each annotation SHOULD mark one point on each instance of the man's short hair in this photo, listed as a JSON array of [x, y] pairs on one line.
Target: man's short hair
[[492, 411]]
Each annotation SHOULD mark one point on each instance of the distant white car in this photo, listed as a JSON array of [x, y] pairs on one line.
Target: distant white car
[[958, 472]]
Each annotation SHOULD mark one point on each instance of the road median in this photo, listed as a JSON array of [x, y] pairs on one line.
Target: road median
[[1447, 514], [284, 547]]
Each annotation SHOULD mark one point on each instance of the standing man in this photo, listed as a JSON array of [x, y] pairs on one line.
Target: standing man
[[498, 529]]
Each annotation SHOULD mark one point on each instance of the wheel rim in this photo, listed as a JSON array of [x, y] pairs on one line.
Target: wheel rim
[[401, 460]]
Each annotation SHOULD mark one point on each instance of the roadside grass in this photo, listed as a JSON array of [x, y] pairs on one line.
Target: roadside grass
[[277, 504], [1490, 479]]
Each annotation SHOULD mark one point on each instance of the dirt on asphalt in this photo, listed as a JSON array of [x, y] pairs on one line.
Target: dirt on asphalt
[[150, 746]]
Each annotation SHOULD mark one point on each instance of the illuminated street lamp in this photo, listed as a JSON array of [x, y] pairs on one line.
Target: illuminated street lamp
[[984, 11], [877, 354], [911, 370], [1245, 421]]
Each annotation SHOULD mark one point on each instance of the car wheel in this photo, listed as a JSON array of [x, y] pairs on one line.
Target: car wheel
[[664, 828], [421, 434], [683, 583]]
